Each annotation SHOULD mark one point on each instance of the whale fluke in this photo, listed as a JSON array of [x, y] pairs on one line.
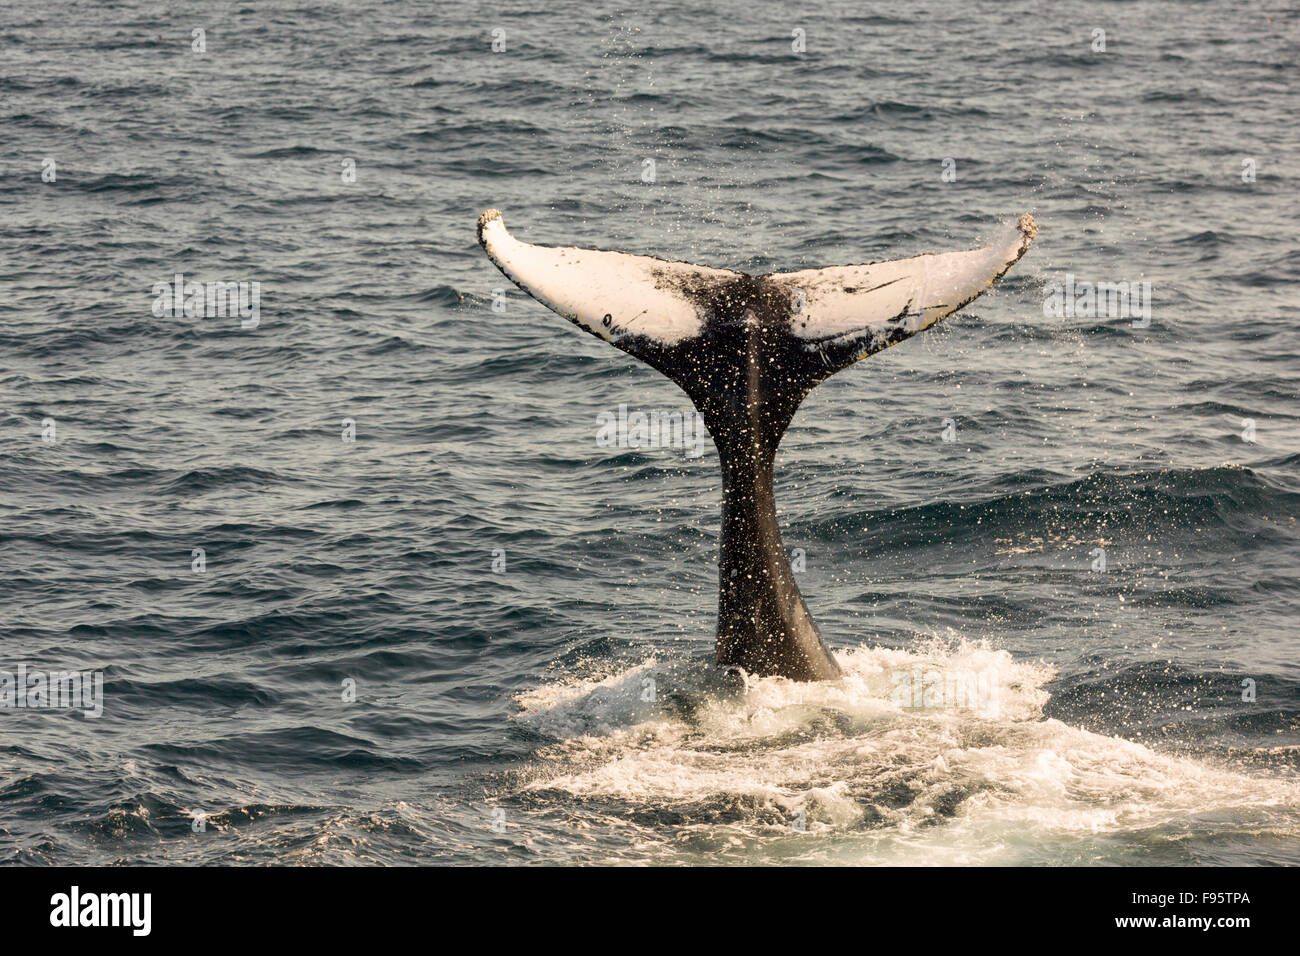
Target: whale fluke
[[747, 349]]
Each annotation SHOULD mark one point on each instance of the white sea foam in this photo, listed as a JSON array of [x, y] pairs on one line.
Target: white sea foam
[[901, 783]]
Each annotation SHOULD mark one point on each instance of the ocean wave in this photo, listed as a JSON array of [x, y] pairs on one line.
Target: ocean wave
[[1230, 499]]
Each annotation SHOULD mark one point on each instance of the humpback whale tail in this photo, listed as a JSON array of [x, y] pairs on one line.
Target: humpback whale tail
[[747, 349]]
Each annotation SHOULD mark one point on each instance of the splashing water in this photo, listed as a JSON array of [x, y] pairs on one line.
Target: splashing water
[[870, 768]]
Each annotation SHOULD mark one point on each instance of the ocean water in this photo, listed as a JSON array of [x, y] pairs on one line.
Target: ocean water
[[560, 707]]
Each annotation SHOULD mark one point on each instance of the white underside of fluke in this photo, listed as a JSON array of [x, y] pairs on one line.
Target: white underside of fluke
[[614, 294], [847, 301], [609, 293]]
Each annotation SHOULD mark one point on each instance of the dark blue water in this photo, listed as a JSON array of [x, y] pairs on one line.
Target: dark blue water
[[502, 717]]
